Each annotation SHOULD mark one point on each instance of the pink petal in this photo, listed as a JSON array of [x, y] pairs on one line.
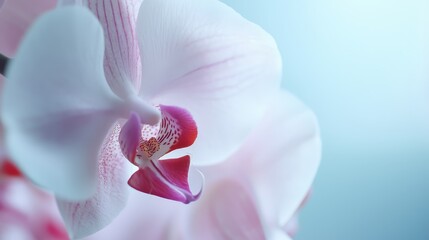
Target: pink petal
[[166, 179], [130, 136], [204, 57], [122, 64], [87, 217], [15, 18]]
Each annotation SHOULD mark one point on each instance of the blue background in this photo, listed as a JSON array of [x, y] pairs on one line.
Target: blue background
[[363, 67]]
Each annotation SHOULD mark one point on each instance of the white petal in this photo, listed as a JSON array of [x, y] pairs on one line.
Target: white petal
[[57, 107], [87, 217], [122, 64], [202, 56], [145, 217], [277, 234], [286, 160]]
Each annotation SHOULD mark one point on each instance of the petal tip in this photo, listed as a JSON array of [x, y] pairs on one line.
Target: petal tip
[[196, 196]]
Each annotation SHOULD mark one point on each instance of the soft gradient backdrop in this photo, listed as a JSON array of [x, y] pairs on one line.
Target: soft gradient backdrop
[[363, 66]]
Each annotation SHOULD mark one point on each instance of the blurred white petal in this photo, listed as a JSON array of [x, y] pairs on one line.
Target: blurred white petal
[[57, 106]]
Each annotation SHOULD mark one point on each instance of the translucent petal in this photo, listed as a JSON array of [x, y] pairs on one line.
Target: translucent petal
[[287, 158], [57, 107], [221, 69]]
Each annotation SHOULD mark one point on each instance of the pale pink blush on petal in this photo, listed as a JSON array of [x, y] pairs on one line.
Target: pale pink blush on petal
[[285, 163], [87, 217], [15, 18], [226, 211]]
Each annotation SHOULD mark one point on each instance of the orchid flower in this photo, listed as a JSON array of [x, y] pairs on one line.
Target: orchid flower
[[178, 65], [15, 18], [254, 194]]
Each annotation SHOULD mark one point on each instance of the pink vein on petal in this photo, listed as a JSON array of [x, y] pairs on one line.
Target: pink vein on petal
[[122, 59]]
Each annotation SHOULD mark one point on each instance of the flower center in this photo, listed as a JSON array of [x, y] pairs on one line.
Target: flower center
[[148, 147], [144, 145]]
